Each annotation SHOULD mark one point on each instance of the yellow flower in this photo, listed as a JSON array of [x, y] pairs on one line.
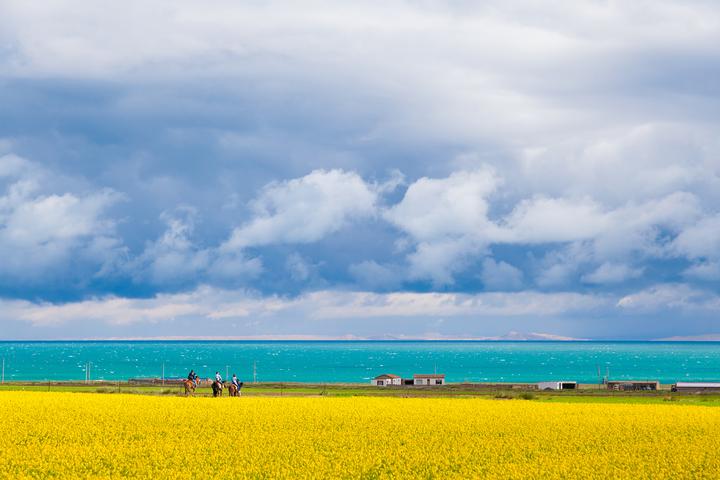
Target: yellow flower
[[93, 435]]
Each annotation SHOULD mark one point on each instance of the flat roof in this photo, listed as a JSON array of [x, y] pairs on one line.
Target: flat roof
[[633, 381], [429, 375], [698, 384]]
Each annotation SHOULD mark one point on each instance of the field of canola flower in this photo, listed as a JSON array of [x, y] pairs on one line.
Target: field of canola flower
[[96, 435]]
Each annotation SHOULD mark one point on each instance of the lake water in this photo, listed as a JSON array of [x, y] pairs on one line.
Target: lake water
[[359, 361]]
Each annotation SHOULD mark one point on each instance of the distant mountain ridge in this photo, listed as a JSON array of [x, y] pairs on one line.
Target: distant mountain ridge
[[709, 337], [510, 336], [535, 336]]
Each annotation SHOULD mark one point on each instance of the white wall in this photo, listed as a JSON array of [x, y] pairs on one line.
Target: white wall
[[549, 385], [428, 381]]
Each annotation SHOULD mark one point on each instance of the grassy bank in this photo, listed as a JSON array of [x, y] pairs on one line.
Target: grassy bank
[[584, 395]]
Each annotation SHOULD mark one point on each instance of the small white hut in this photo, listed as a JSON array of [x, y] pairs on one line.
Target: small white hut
[[386, 379], [429, 379]]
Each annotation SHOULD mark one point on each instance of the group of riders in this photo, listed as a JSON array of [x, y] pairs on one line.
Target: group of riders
[[192, 381]]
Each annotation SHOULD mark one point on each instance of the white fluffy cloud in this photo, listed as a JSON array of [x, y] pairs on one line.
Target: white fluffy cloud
[[440, 208], [212, 303], [553, 220], [306, 209], [215, 312], [407, 304], [448, 218], [300, 210], [44, 233], [500, 275], [708, 271], [608, 273], [701, 240], [449, 221], [679, 297], [174, 259], [547, 220], [615, 166]]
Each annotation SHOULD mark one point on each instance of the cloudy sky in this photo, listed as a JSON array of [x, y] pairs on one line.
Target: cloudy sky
[[410, 168]]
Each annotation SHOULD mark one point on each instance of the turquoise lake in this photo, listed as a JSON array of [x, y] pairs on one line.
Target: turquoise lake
[[359, 361]]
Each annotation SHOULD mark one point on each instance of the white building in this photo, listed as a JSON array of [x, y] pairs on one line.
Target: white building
[[696, 387], [428, 379], [385, 380], [557, 385]]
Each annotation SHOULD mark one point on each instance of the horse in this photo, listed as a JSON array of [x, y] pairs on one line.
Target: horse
[[217, 389], [233, 390], [189, 387]]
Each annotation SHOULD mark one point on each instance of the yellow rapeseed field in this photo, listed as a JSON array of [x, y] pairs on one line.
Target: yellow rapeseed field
[[96, 435]]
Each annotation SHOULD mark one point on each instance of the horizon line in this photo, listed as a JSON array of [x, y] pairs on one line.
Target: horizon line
[[713, 339]]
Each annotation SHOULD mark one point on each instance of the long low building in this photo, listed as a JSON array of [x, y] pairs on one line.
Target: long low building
[[697, 387], [389, 379], [633, 385]]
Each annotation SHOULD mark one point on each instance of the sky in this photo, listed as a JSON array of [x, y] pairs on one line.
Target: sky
[[409, 169]]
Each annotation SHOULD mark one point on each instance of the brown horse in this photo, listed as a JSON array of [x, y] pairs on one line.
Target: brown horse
[[217, 389], [233, 390], [189, 387]]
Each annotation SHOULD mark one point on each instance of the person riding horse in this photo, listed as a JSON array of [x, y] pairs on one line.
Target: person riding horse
[[234, 387], [190, 383], [217, 385]]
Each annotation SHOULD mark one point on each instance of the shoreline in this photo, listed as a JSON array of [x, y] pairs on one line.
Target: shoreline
[[449, 387], [586, 393]]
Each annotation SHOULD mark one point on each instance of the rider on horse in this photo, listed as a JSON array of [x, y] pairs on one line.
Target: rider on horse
[[217, 385], [190, 383], [236, 382]]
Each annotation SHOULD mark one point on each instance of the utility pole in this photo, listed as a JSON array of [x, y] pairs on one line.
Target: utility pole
[[227, 371], [254, 372], [2, 380], [163, 373]]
